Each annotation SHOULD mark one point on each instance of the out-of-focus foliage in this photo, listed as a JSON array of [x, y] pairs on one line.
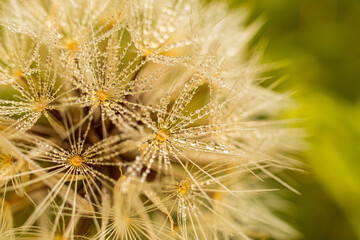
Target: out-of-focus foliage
[[319, 43], [334, 153]]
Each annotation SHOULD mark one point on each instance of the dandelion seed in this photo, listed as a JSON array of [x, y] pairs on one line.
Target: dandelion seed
[[175, 131], [162, 135], [130, 217], [154, 29], [72, 45], [76, 161], [183, 187], [39, 91]]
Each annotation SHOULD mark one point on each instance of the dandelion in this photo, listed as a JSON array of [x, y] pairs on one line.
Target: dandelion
[[54, 21], [105, 76], [175, 131], [155, 30], [130, 217], [138, 119], [199, 201], [37, 91], [64, 170]]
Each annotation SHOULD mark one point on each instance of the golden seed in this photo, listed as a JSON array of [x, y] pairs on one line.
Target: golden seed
[[18, 74], [72, 45], [76, 160], [217, 196], [183, 187], [40, 106], [147, 52], [6, 159], [102, 96], [162, 135], [59, 237]]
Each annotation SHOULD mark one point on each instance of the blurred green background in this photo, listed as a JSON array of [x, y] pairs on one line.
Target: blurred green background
[[317, 45]]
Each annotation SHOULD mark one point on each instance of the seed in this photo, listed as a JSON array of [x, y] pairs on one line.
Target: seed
[[102, 96], [76, 160], [162, 135]]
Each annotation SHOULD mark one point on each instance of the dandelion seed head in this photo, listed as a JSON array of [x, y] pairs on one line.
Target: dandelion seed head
[[137, 119]]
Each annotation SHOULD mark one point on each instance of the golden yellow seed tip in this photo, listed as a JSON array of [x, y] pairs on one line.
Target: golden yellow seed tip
[[107, 22], [162, 135], [6, 159], [76, 161], [217, 196], [183, 187], [72, 45], [147, 52], [18, 74], [59, 237], [102, 96], [40, 106]]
